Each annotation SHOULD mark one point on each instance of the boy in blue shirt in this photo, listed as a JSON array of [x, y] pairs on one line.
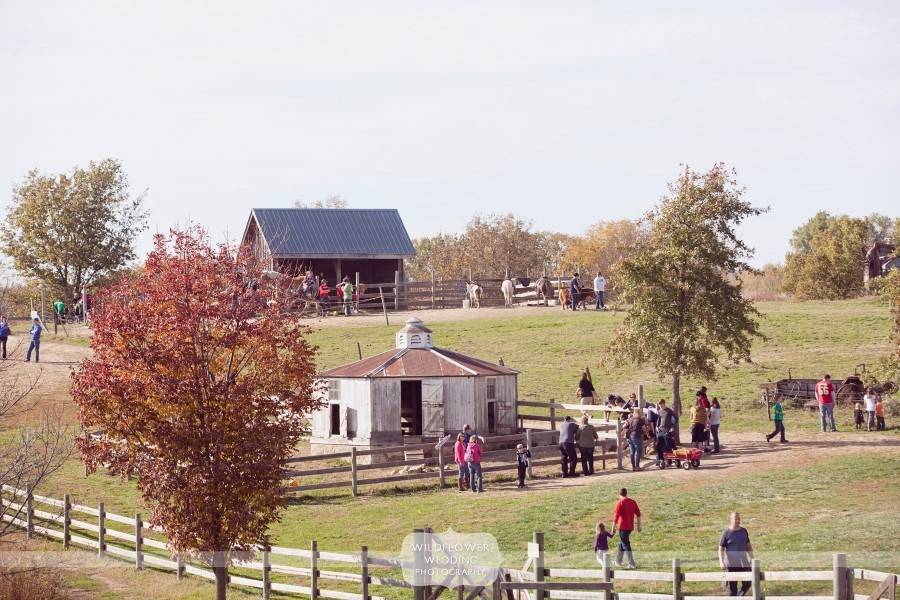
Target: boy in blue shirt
[[36, 330]]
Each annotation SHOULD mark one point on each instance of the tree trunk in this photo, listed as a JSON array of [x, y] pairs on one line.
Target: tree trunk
[[676, 403], [221, 574]]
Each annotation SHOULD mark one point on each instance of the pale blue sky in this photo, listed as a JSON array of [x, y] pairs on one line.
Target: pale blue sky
[[562, 112]]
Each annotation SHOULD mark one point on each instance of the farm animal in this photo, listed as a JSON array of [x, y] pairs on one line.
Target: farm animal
[[508, 288], [544, 289], [473, 293], [564, 298], [587, 296]]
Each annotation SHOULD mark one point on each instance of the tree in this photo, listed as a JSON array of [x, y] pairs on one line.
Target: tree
[[833, 267], [501, 246], [688, 314], [803, 235], [201, 398], [329, 202], [441, 255], [71, 230]]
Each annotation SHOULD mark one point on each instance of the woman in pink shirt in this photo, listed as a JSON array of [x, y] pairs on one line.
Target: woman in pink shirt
[[473, 459], [459, 457]]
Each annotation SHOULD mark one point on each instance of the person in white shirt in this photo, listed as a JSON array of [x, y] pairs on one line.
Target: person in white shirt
[[600, 288], [870, 399]]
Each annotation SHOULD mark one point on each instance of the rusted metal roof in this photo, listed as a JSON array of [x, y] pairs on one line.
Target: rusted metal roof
[[418, 362]]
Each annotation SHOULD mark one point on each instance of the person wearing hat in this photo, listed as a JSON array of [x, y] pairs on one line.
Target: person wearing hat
[[523, 459], [35, 345], [575, 291]]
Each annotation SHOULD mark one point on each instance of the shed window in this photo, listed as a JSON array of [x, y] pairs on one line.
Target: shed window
[[335, 428], [334, 391], [491, 388]]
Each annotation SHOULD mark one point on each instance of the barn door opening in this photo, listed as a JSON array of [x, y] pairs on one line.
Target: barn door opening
[[433, 408], [411, 407]]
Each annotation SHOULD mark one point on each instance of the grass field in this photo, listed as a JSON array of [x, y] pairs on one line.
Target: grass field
[[801, 502]]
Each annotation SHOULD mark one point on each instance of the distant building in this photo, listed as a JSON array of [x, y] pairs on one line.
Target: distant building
[[880, 259], [413, 393], [333, 242]]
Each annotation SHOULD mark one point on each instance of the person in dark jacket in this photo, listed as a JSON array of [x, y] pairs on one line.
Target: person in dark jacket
[[4, 334], [665, 432], [586, 388], [35, 345], [575, 291], [587, 437], [523, 459], [568, 432]]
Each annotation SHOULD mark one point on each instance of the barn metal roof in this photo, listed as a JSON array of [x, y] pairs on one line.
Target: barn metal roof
[[334, 232], [418, 362]]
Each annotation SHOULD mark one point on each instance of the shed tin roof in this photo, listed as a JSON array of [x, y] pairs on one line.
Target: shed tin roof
[[418, 362]]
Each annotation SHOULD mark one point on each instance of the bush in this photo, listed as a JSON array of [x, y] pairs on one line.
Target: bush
[[31, 584]]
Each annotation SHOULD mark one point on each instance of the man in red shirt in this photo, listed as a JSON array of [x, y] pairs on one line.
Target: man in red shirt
[[825, 396], [626, 515]]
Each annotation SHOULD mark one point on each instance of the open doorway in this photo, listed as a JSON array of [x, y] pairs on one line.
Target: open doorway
[[411, 407]]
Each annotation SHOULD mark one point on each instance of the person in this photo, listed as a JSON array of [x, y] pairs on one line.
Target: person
[[703, 397], [870, 400], [634, 430], [627, 518], [652, 415], [473, 459], [568, 431], [778, 418], [632, 402], [347, 292], [665, 432], [459, 457], [715, 417], [825, 397], [879, 415], [587, 436], [324, 291], [575, 291], [35, 345], [735, 553], [600, 289], [467, 432], [309, 284], [59, 310], [586, 388], [523, 459], [699, 416], [4, 334], [858, 415], [601, 541]]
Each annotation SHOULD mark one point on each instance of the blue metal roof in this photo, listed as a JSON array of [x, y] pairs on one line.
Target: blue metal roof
[[334, 232]]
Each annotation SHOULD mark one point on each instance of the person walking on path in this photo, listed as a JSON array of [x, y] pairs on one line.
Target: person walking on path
[[523, 459], [473, 459], [586, 388], [347, 292], [634, 430], [601, 542], [568, 431], [4, 334], [35, 345], [626, 518], [600, 289], [715, 417], [825, 397], [459, 457], [870, 400], [575, 291], [587, 436], [778, 417], [699, 416], [735, 553]]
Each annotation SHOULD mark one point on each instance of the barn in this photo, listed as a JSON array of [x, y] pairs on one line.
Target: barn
[[413, 393], [332, 242]]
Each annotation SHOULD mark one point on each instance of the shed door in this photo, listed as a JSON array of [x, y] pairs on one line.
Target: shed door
[[432, 408]]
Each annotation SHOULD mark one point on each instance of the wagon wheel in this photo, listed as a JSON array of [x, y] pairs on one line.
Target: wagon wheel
[[792, 392], [695, 463], [686, 465]]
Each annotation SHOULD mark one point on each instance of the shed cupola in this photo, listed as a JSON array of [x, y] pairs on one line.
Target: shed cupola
[[414, 335]]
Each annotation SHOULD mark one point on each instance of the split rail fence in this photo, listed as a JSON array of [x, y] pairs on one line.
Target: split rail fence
[[356, 575]]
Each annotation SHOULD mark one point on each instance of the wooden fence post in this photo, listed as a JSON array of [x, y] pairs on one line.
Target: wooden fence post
[[756, 582], [364, 571], [619, 450], [418, 563], [432, 301], [603, 455], [354, 478], [101, 533], [428, 589], [314, 570], [552, 416], [840, 577], [676, 579], [538, 561], [267, 566], [528, 447], [606, 576], [440, 452], [358, 295], [29, 513], [138, 542], [67, 521], [396, 290]]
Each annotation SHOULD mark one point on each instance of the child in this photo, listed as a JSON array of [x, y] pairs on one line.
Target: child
[[473, 459], [778, 417], [871, 400], [858, 415], [879, 415], [601, 541], [523, 459], [459, 457], [4, 334]]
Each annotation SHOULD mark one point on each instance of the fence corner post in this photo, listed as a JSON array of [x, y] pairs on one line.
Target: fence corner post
[[606, 575], [266, 572], [538, 562], [67, 521], [528, 447], [314, 570], [676, 579], [364, 571], [552, 415], [101, 530], [756, 582], [840, 577], [138, 542], [354, 476]]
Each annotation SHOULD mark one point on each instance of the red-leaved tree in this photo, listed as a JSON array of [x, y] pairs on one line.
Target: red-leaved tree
[[197, 385]]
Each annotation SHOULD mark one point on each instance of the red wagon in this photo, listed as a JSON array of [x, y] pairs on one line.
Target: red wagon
[[684, 457]]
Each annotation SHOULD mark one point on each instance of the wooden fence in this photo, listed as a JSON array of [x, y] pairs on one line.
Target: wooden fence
[[499, 456], [356, 575]]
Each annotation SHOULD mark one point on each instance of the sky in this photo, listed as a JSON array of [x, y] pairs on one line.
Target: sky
[[565, 113]]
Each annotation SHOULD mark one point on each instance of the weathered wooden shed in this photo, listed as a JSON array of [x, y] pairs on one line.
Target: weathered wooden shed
[[411, 394], [332, 242]]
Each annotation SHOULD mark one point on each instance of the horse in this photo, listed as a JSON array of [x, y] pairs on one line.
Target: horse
[[473, 293], [508, 289], [544, 289]]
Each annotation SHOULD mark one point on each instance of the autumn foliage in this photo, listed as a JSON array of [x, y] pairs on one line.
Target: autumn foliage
[[197, 385]]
